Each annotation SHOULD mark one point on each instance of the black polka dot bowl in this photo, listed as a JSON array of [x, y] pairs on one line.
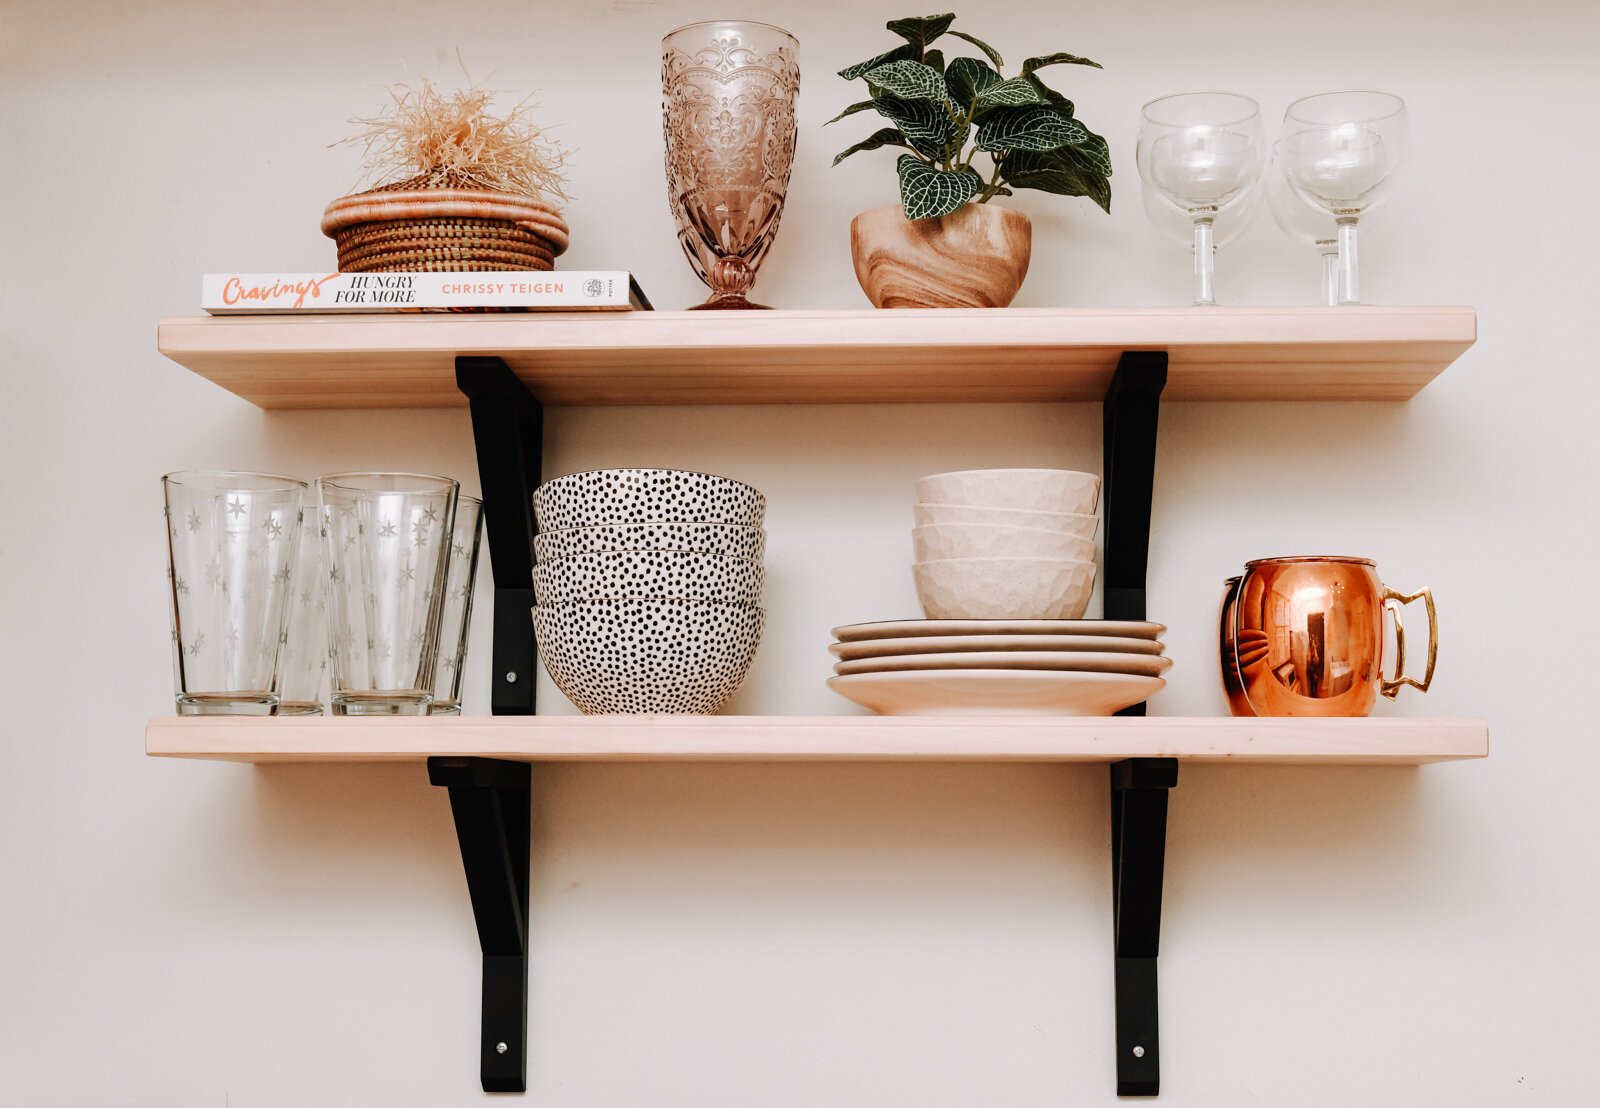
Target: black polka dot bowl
[[706, 538], [604, 496], [611, 574], [648, 656]]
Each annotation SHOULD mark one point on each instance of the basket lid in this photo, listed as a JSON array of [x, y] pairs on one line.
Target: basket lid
[[407, 200]]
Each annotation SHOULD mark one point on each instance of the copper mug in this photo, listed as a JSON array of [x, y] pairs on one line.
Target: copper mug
[[1304, 637]]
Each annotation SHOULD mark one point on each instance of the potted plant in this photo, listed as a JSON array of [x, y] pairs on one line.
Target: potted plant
[[944, 245]]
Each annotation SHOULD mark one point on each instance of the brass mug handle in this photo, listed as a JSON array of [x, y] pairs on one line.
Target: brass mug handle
[[1393, 601]]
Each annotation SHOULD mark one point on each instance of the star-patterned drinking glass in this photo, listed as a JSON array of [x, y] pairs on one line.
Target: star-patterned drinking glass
[[303, 669], [386, 546], [231, 545], [456, 617]]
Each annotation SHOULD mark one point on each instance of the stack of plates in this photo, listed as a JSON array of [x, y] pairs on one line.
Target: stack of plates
[[1035, 667]]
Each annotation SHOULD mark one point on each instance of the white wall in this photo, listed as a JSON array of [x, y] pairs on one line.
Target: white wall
[[177, 934]]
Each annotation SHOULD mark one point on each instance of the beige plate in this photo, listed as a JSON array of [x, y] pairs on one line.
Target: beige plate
[[883, 648], [995, 692], [1082, 660], [905, 628]]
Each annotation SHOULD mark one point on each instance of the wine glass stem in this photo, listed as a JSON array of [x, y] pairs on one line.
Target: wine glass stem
[[1204, 294], [1330, 275], [1349, 291]]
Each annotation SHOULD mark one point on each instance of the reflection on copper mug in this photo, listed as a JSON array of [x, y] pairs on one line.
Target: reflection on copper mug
[[1304, 637]]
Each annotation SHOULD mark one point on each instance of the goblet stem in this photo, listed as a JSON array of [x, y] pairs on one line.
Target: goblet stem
[[730, 280], [1330, 272], [1349, 291], [1204, 263]]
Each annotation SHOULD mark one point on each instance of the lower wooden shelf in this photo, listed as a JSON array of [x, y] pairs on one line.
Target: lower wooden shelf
[[1382, 741], [489, 800]]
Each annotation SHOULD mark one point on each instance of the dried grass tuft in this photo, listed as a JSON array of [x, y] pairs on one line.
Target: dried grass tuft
[[433, 140]]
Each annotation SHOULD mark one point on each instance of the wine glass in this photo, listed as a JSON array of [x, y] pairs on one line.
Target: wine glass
[[1201, 151], [1304, 222], [728, 92], [1340, 151]]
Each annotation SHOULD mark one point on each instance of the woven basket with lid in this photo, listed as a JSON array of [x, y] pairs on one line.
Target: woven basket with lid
[[408, 227]]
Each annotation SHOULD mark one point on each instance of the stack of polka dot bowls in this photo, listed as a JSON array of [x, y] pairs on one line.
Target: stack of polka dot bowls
[[647, 588]]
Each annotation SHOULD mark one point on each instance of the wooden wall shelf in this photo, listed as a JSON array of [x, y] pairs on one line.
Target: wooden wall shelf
[[1390, 741], [824, 357]]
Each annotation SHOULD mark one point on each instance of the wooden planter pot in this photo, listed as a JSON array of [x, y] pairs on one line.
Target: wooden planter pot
[[975, 257]]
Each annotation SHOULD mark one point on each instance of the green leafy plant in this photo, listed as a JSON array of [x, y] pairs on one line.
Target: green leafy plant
[[946, 114]]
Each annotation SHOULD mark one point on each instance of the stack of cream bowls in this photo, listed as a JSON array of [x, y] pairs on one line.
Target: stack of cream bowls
[[647, 584], [1006, 543]]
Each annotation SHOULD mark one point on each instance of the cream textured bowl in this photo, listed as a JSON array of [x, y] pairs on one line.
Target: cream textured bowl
[[1039, 490], [941, 541], [1004, 588], [1072, 523]]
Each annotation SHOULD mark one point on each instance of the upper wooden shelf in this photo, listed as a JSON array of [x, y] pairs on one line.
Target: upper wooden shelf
[[1392, 741], [833, 357]]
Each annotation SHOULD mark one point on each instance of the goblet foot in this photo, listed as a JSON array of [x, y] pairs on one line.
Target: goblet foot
[[729, 301], [730, 279]]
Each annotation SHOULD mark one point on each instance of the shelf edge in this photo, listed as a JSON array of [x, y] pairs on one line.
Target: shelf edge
[[1200, 740]]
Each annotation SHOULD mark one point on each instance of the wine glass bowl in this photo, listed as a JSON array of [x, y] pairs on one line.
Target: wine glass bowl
[[728, 113], [1340, 151], [1201, 168], [1342, 168], [1200, 152]]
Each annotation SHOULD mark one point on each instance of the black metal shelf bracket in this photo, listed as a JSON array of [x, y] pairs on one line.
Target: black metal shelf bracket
[[489, 799], [1139, 786], [508, 432], [1132, 409]]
